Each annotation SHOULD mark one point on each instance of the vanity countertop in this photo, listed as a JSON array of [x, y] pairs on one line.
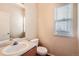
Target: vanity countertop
[[31, 45]]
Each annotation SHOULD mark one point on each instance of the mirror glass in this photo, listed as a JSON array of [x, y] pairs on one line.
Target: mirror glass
[[11, 21]]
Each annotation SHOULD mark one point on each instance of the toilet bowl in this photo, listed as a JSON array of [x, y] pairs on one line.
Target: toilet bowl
[[42, 51]]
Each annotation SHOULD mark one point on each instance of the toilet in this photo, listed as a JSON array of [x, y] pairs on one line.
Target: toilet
[[40, 49]]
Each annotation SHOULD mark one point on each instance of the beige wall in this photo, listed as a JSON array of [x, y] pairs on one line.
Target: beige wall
[[56, 45], [78, 28], [31, 20]]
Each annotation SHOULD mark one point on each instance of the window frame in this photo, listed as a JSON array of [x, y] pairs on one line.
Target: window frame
[[71, 19]]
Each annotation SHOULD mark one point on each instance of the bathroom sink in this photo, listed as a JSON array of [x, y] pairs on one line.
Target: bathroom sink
[[15, 49]]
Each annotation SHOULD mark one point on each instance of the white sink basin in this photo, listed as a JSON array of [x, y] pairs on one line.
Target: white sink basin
[[15, 49]]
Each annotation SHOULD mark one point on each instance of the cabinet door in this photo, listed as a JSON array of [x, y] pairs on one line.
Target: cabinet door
[[31, 52]]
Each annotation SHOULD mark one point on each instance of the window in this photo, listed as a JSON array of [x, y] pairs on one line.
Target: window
[[63, 20]]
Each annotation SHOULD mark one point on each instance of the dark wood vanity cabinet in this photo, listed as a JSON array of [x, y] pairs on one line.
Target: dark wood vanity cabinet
[[31, 52]]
